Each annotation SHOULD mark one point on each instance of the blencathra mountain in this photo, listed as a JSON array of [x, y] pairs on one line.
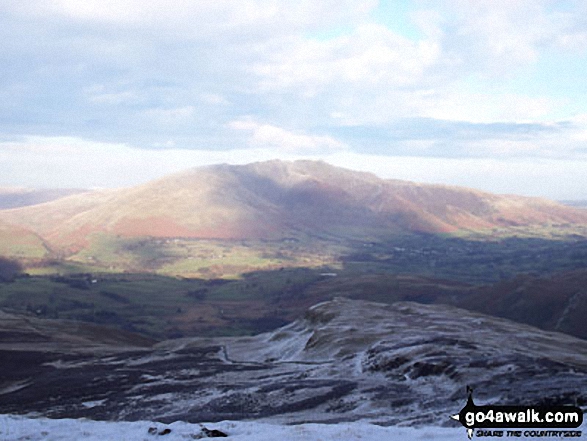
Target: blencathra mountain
[[276, 200]]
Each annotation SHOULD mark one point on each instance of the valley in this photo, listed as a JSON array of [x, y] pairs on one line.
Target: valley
[[228, 287], [292, 293]]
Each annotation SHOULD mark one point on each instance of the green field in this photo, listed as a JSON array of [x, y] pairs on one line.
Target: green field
[[158, 306], [188, 258], [178, 287]]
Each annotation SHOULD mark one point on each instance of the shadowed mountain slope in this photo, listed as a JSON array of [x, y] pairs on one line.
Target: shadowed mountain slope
[[26, 333], [275, 199], [556, 302]]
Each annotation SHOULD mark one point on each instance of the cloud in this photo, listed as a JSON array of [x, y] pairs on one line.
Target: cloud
[[373, 75], [494, 37], [98, 95], [476, 80], [507, 32], [179, 115], [154, 55], [268, 136], [372, 56], [476, 107], [523, 176], [428, 137], [199, 19], [76, 162], [214, 99]]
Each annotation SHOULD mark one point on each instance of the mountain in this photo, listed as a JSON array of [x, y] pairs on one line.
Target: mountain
[[343, 360], [14, 197], [278, 199], [575, 203]]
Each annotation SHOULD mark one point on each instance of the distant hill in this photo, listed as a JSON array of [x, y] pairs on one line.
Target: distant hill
[[278, 199], [11, 197], [576, 203]]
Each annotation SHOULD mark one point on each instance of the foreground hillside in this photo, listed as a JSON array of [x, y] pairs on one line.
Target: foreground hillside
[[343, 361], [277, 200]]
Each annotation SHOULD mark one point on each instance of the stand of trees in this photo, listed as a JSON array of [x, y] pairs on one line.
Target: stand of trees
[[9, 269]]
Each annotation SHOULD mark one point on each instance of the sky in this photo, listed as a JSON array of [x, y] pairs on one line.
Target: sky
[[489, 94]]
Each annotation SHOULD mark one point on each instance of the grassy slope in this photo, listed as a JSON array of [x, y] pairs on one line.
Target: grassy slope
[[17, 242], [162, 306]]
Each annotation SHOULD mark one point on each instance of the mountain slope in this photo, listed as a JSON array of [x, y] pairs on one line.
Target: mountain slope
[[275, 199], [556, 302], [17, 242], [344, 360]]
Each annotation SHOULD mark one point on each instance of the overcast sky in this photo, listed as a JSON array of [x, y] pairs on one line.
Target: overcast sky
[[489, 94]]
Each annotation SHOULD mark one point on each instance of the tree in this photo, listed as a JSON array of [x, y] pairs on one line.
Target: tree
[[9, 269]]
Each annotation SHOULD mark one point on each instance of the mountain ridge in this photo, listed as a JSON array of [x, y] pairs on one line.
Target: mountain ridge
[[273, 199]]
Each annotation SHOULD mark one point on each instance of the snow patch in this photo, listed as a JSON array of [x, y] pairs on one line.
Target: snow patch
[[13, 428]]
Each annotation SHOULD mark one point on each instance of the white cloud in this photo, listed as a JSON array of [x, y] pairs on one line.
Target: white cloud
[[53, 146], [214, 99], [75, 162], [495, 38], [500, 34], [372, 56], [174, 116], [202, 18], [462, 105], [573, 41], [430, 22], [114, 98], [182, 74], [268, 136], [523, 176], [563, 140], [373, 75]]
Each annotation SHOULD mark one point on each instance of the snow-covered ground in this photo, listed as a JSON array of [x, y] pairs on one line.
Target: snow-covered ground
[[16, 428], [13, 428], [404, 366]]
